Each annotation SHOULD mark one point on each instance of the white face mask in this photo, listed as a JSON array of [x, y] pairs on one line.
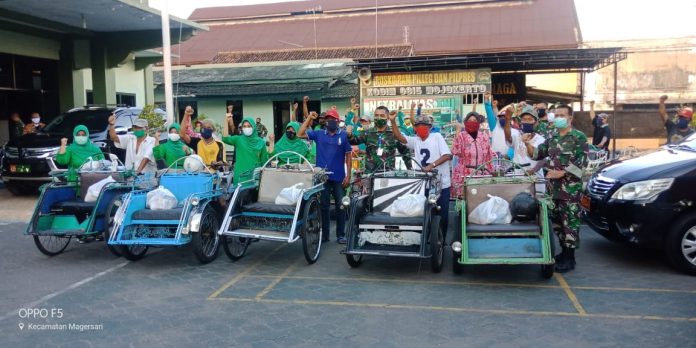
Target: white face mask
[[174, 137], [247, 131], [36, 120]]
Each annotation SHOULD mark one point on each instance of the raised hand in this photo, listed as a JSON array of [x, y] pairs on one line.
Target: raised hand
[[271, 137], [663, 98], [63, 141], [487, 96], [413, 106], [353, 100], [112, 120], [305, 99], [392, 115]]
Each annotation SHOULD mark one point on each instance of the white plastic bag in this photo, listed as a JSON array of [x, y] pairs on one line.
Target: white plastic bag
[[94, 190], [161, 199], [494, 210], [289, 195], [410, 205]]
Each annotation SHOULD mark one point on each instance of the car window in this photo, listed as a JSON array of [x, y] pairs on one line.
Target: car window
[[95, 120], [124, 120]]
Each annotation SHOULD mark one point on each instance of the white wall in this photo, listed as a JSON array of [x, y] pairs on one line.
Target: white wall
[[128, 80]]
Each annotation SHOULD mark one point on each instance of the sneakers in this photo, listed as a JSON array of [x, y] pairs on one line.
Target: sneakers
[[341, 240]]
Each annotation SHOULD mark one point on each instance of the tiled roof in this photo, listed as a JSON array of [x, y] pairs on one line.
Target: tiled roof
[[434, 27], [382, 51]]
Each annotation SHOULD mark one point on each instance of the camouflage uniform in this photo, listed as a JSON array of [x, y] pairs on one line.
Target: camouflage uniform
[[373, 140], [542, 128], [568, 153]]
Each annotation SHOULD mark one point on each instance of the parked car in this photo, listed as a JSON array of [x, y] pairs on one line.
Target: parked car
[[24, 164], [649, 200]]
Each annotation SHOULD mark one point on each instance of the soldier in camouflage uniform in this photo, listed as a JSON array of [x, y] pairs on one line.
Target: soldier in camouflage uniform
[[565, 152], [380, 144]]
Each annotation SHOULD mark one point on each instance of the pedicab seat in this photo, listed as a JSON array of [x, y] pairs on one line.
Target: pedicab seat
[[512, 227], [269, 208], [380, 218], [165, 214], [76, 206]]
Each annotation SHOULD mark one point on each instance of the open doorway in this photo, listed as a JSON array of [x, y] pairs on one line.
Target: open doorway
[[281, 117]]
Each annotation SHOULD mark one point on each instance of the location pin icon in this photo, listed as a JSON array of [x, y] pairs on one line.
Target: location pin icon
[[21, 326]]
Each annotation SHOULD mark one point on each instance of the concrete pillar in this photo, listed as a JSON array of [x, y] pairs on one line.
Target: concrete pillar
[[66, 95], [149, 85], [79, 90], [103, 78]]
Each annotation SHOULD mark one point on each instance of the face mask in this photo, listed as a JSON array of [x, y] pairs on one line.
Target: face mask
[[81, 139], [683, 123], [527, 128], [36, 120], [247, 131], [206, 133], [471, 126], [541, 112], [341, 124], [174, 137], [380, 122], [331, 125], [560, 122], [290, 135], [139, 133], [422, 131], [502, 122]]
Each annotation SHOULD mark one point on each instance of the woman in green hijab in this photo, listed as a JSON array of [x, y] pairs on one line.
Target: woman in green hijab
[[290, 142], [173, 149], [250, 150], [81, 149]]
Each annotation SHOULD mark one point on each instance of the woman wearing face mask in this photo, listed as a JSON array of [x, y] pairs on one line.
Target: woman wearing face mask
[[80, 151], [472, 149], [249, 150], [290, 142], [173, 149]]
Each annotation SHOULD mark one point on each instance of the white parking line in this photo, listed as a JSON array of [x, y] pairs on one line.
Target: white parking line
[[60, 292]]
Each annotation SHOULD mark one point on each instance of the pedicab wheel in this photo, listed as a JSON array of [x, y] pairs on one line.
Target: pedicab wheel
[[206, 242], [457, 267], [311, 234], [235, 247], [51, 245], [547, 271], [109, 224], [133, 252], [354, 260], [437, 245]]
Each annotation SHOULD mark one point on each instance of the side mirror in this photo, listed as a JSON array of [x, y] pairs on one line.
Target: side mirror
[[121, 130]]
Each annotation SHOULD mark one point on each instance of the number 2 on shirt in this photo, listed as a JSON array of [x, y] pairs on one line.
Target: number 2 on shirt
[[426, 156]]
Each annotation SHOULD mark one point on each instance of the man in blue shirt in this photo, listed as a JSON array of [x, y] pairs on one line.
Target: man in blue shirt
[[334, 156]]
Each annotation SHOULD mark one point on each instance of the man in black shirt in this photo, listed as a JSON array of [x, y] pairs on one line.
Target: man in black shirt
[[602, 133]]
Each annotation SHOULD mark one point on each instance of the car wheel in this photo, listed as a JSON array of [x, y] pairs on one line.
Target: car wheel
[[20, 189], [680, 245]]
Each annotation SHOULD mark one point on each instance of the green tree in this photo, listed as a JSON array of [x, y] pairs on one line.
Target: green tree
[[154, 120]]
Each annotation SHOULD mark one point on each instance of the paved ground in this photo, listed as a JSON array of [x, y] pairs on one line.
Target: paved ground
[[616, 297]]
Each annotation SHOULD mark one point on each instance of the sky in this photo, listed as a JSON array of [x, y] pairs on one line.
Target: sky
[[599, 19]]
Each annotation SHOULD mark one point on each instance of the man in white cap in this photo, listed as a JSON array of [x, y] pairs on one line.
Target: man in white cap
[[138, 146]]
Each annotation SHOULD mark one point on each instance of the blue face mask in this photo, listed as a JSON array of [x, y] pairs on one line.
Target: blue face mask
[[206, 133], [560, 122], [502, 122], [331, 125], [527, 128], [683, 123]]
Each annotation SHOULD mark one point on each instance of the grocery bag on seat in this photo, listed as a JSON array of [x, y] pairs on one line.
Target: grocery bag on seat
[[94, 189], [289, 195], [410, 205], [494, 210], [161, 199]]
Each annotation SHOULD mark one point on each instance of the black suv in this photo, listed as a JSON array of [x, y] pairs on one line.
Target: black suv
[[649, 200], [25, 165]]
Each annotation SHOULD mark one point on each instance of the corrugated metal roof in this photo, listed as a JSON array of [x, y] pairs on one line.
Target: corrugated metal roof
[[311, 53], [477, 27], [304, 71]]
